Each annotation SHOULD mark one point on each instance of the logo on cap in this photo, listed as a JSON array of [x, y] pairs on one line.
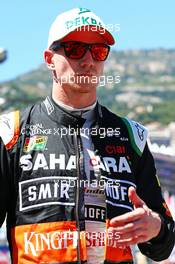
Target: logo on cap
[[83, 10]]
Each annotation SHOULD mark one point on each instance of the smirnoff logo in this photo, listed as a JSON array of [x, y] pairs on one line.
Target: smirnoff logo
[[52, 190]]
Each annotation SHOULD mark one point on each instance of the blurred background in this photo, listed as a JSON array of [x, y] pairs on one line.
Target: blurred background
[[142, 63]]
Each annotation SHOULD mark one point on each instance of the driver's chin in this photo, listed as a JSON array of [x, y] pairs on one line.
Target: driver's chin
[[81, 87]]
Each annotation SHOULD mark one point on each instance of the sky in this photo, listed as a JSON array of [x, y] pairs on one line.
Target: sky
[[24, 27]]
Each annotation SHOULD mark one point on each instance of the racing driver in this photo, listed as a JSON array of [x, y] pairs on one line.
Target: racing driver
[[78, 183]]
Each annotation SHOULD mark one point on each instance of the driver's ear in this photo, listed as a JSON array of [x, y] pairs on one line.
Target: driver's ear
[[48, 57]]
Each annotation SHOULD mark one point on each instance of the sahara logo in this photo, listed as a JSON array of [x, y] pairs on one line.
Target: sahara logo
[[35, 143], [108, 164]]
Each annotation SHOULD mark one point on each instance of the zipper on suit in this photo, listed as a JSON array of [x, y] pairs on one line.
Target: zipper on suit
[[78, 161]]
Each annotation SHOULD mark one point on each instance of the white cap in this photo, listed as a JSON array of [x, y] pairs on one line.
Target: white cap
[[75, 19]]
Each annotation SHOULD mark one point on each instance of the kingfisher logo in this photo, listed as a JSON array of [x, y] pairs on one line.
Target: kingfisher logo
[[35, 143], [55, 241], [45, 242]]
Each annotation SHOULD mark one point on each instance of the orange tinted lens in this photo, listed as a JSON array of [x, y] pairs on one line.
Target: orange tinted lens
[[99, 52], [75, 50]]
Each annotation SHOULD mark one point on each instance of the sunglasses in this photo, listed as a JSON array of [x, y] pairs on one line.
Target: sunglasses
[[76, 50]]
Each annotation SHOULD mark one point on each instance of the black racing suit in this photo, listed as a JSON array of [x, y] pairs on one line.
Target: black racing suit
[[41, 167]]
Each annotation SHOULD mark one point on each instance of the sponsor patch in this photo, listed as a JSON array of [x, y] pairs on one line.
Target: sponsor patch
[[95, 213], [35, 143], [46, 191], [52, 242], [113, 149], [117, 193], [140, 131], [49, 106], [9, 131]]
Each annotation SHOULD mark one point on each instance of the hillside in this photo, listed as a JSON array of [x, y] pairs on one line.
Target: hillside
[[146, 90]]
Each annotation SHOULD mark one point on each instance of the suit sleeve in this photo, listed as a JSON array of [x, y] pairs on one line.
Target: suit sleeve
[[9, 133], [148, 188], [4, 185]]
